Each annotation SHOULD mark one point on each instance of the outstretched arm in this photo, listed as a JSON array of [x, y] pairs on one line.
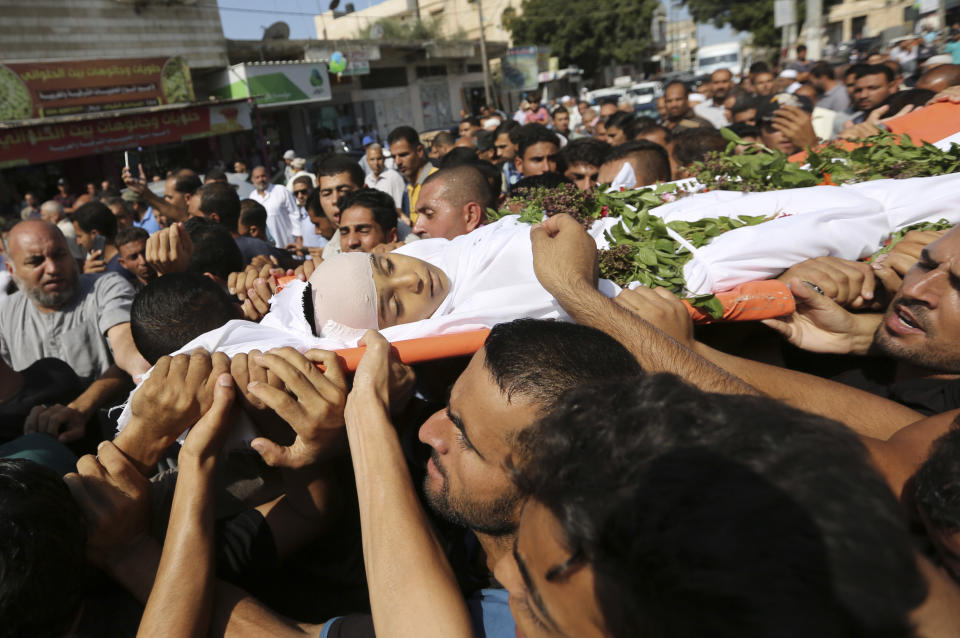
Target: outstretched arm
[[399, 546]]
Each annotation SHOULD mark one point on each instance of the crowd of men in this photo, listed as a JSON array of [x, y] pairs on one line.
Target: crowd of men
[[623, 474]]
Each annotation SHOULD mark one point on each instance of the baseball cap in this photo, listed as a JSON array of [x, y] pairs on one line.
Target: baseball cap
[[289, 155], [768, 106], [367, 140]]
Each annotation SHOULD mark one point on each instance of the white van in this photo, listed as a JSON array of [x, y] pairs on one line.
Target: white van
[[727, 55]]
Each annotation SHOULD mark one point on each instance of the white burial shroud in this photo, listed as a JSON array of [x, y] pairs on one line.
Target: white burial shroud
[[850, 222], [492, 281]]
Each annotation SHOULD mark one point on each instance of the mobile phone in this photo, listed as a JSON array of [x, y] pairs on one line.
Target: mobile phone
[[98, 243], [131, 159]]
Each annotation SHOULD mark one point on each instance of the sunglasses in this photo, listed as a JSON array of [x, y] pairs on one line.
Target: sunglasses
[[301, 192]]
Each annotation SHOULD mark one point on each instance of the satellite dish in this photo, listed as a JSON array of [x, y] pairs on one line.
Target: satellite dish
[[376, 31], [277, 31]]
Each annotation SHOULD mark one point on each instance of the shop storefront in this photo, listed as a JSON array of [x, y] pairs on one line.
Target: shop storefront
[[76, 119]]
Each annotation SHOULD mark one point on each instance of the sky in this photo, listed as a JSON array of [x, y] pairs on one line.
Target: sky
[[246, 19]]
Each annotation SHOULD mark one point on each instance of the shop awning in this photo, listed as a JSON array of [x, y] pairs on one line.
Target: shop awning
[[49, 139]]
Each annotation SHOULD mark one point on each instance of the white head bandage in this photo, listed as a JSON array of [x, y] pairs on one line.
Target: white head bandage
[[344, 295]]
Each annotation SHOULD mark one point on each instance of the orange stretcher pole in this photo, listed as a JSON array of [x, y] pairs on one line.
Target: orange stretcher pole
[[751, 301]]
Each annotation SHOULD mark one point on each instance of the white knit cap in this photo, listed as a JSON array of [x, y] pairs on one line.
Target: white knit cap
[[344, 295]]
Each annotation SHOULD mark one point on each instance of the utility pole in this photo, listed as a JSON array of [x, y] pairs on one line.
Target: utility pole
[[941, 14], [814, 27], [483, 56]]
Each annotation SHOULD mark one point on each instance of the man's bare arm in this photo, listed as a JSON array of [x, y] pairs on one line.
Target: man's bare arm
[[565, 261], [159, 204], [399, 546], [125, 352], [67, 422]]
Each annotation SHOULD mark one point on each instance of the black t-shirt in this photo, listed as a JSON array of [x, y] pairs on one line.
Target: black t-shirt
[[925, 395], [45, 382]]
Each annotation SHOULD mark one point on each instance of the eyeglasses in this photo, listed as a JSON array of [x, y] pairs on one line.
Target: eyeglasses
[[301, 192]]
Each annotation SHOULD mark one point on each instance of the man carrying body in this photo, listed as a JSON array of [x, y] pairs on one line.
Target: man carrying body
[[132, 256], [537, 148], [677, 105], [582, 159], [283, 216], [337, 175], [873, 85], [83, 320], [453, 202], [367, 220], [411, 162], [713, 110], [648, 160]]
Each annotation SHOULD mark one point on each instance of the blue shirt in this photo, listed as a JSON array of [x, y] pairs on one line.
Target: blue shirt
[[148, 222], [309, 232]]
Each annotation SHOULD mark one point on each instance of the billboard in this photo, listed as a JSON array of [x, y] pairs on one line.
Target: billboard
[[24, 145], [276, 84], [43, 89], [520, 70]]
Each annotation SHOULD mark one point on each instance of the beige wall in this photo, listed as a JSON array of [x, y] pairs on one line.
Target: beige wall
[[92, 29], [880, 15], [681, 40], [458, 17]]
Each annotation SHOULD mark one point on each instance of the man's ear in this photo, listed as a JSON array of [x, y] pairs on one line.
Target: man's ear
[[473, 215], [517, 163], [253, 231], [391, 237], [215, 217]]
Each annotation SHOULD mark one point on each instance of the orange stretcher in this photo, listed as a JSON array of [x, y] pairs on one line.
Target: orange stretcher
[[929, 124], [748, 302]]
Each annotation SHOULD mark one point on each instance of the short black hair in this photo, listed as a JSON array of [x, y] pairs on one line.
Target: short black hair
[[443, 138], [457, 156], [337, 163], [186, 181], [472, 120], [214, 249], [215, 174], [312, 204], [506, 126], [694, 144], [686, 89], [127, 235], [745, 102], [744, 130], [558, 110], [652, 158], [380, 205], [221, 198], [936, 485], [173, 310], [305, 179], [540, 360], [406, 133], [468, 182], [759, 67], [545, 180], [483, 140], [43, 539], [690, 519], [530, 134], [95, 216], [623, 121], [822, 69], [900, 99], [585, 150], [875, 69], [252, 213]]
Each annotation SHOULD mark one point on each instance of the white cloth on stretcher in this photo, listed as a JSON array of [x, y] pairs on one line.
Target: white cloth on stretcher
[[492, 281], [850, 222]]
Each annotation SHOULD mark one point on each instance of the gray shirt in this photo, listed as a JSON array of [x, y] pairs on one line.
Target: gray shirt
[[836, 99], [77, 333]]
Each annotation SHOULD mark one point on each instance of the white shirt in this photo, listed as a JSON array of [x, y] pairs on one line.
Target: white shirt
[[389, 182], [283, 215]]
